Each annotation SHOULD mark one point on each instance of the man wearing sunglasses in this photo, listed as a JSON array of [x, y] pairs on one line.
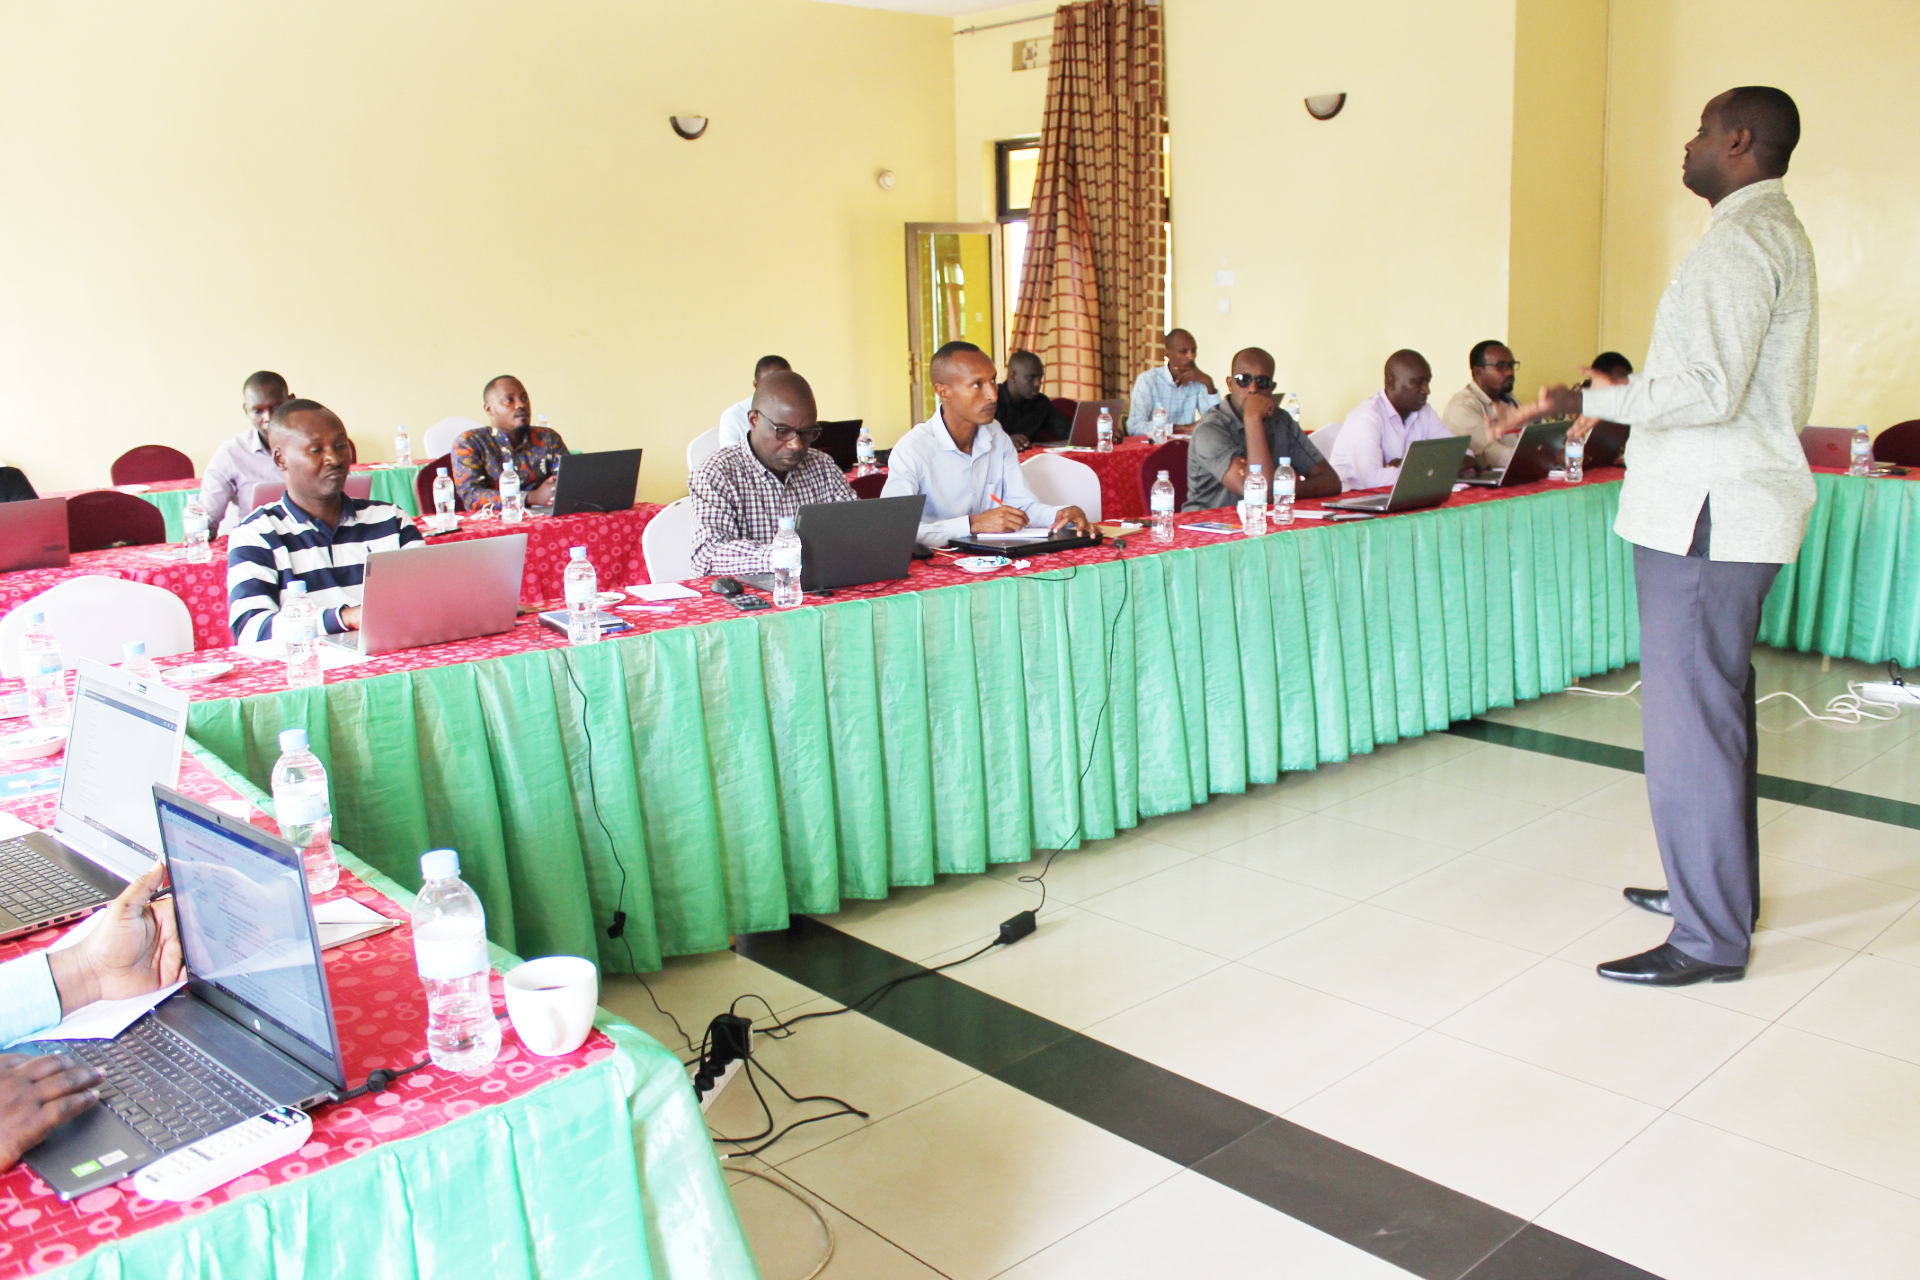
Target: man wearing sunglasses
[[1478, 409], [1247, 428], [741, 491], [1374, 438]]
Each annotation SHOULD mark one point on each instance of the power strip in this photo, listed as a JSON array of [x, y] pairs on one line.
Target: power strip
[[708, 1098], [1891, 694]]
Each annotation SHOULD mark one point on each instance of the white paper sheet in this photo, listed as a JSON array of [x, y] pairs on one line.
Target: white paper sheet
[[344, 919], [332, 656], [105, 1019], [11, 828], [657, 591]]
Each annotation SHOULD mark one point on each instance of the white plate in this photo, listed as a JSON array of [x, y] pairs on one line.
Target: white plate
[[196, 673], [981, 564], [608, 599], [32, 744]]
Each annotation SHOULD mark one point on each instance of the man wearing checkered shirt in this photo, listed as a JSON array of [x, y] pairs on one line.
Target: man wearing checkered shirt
[[741, 491]]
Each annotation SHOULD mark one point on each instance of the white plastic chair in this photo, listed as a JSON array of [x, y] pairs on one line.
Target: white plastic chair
[[666, 543], [1062, 482], [442, 434], [1322, 440], [700, 446], [93, 617]]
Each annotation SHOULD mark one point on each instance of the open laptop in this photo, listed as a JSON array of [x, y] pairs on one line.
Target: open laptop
[[33, 534], [849, 544], [1606, 444], [430, 594], [840, 441], [1538, 451], [252, 1030], [1086, 423], [1824, 446], [126, 735], [598, 482], [1426, 478]]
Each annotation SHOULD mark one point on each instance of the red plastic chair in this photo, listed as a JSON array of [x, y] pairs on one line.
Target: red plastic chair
[[359, 485], [869, 485], [102, 518], [151, 463], [423, 484], [1171, 458], [1899, 443]]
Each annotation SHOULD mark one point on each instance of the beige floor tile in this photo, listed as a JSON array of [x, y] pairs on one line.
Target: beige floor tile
[[1781, 970], [1539, 714], [1219, 822], [1581, 846], [788, 1242], [1811, 754], [1626, 801], [1893, 775], [1512, 1134], [979, 1178], [695, 989], [917, 923], [1097, 867], [1691, 1202], [1506, 902], [1851, 846], [1790, 669], [1337, 856], [1782, 717], [1870, 1003], [1217, 906], [1416, 755], [1900, 941], [1080, 967], [1847, 1108], [1508, 773], [1330, 784], [1288, 1042], [1827, 906], [1648, 1044], [1438, 813], [1614, 721], [1393, 963], [1191, 1226]]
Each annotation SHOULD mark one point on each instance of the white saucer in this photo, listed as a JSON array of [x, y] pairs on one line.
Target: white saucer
[[32, 744], [196, 673], [608, 599]]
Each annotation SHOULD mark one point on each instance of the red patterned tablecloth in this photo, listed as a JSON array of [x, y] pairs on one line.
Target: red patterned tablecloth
[[381, 1012], [1120, 494]]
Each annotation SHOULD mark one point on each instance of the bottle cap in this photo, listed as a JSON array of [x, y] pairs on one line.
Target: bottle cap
[[439, 864], [1286, 462], [1253, 468], [293, 740], [578, 553], [442, 470], [297, 587], [36, 619], [786, 523], [134, 648], [1162, 476]]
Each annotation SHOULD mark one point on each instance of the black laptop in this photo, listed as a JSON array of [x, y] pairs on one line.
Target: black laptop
[[1536, 453], [849, 544], [604, 481], [840, 441], [1426, 478], [1606, 445]]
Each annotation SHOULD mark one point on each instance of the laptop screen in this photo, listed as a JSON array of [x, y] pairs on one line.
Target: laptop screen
[[119, 745], [246, 930]]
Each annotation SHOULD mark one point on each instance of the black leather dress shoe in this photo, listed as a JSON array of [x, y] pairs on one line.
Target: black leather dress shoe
[[1654, 900], [1668, 966]]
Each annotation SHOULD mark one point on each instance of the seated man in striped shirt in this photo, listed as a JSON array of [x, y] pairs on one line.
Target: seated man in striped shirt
[[315, 533], [741, 490]]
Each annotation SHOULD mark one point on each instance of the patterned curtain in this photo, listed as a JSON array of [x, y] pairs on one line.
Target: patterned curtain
[[1092, 297]]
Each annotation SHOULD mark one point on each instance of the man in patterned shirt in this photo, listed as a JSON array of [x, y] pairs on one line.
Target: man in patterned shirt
[[481, 456], [741, 491]]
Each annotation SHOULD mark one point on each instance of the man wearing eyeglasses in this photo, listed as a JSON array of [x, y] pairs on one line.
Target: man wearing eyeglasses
[[1374, 438], [1476, 408], [741, 491], [1249, 428]]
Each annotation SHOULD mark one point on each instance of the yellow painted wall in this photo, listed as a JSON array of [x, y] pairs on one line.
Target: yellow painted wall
[[1850, 65], [390, 203], [991, 101]]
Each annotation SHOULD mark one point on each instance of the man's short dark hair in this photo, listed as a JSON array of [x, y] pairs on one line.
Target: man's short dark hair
[[1178, 333], [1477, 358], [1026, 358], [290, 407], [1773, 119], [265, 380], [765, 363], [494, 382], [937, 367], [1612, 363]]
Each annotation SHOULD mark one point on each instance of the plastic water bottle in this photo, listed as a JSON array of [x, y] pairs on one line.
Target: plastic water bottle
[[402, 447], [1576, 468], [1162, 502], [1253, 503], [1284, 483], [541, 422], [450, 948], [512, 509], [1160, 431], [786, 565], [443, 518], [1290, 403], [298, 627], [302, 808], [193, 519], [135, 662], [863, 463], [46, 675], [583, 611], [1861, 463], [1103, 433]]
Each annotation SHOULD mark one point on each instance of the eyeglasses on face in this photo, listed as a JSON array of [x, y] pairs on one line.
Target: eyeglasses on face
[[1260, 380], [1502, 366], [784, 433]]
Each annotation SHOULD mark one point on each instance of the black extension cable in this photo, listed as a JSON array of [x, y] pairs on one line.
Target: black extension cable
[[378, 1081]]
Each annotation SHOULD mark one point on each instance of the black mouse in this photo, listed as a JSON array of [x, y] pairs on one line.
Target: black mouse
[[727, 587]]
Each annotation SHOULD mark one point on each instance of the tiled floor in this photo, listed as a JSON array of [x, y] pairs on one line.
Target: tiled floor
[[1395, 953]]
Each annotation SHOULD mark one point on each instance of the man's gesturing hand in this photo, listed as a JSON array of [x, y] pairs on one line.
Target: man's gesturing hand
[[35, 1095], [134, 949]]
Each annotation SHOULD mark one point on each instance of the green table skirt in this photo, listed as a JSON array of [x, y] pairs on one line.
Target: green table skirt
[[392, 484], [1855, 590], [714, 779]]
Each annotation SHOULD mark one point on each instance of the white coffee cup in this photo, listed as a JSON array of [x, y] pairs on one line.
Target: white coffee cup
[[551, 1002]]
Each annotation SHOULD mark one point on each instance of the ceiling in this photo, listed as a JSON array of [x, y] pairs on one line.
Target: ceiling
[[951, 8]]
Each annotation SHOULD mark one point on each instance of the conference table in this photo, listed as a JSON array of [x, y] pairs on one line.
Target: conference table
[[593, 1162], [1121, 495], [710, 773]]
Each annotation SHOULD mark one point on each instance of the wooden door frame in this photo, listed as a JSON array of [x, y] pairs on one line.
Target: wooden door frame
[[916, 358]]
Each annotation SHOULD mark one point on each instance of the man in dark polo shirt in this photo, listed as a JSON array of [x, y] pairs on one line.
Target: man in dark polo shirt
[[1026, 414], [1225, 441]]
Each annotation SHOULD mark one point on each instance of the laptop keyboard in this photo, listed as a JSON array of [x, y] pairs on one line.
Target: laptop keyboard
[[166, 1090], [32, 888]]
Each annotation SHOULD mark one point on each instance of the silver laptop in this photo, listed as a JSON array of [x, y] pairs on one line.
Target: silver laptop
[[1086, 423], [252, 1031], [1541, 447], [1426, 478], [423, 595], [1827, 446], [127, 734]]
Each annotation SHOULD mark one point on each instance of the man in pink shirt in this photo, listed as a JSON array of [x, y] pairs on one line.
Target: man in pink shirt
[[1375, 436]]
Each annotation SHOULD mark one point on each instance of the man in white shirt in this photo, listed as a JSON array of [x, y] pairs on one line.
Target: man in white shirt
[[734, 426], [1373, 440], [1179, 386], [964, 462], [246, 460], [1715, 501]]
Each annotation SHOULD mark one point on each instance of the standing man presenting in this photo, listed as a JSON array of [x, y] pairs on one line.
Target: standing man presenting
[[1715, 501]]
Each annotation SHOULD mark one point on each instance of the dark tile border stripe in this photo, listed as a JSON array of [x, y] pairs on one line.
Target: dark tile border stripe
[[1855, 804], [1418, 1225]]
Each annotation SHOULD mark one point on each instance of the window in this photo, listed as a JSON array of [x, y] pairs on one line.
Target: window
[[1016, 164]]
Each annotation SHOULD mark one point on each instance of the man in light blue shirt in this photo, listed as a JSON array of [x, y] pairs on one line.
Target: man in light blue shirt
[[133, 949], [1179, 386], [964, 463]]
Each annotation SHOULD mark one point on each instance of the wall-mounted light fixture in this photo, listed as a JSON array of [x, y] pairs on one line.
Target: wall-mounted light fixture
[[1325, 106], [886, 179], [689, 127]]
